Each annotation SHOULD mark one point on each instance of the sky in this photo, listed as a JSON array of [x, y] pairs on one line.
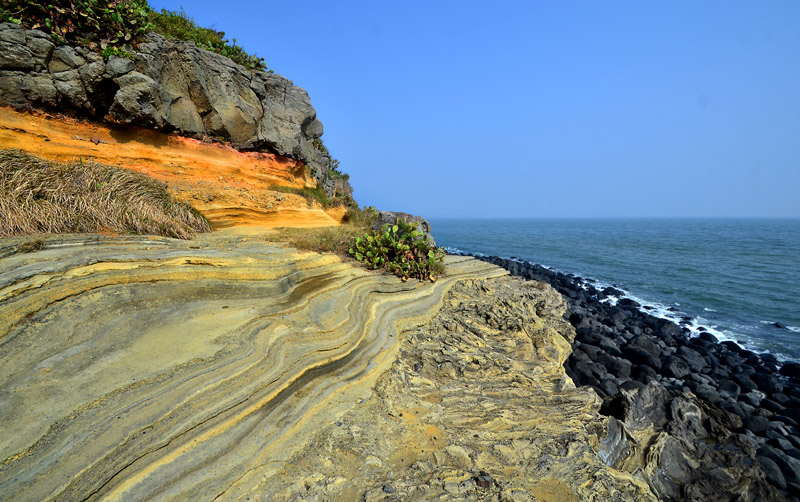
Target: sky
[[542, 108]]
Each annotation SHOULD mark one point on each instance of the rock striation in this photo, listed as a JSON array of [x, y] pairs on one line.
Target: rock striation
[[476, 407], [140, 368], [171, 86]]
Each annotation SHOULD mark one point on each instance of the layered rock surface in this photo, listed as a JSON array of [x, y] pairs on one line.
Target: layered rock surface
[[228, 186], [136, 368], [171, 86], [680, 419]]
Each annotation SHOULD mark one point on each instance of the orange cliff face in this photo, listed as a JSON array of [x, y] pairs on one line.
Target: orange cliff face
[[229, 187]]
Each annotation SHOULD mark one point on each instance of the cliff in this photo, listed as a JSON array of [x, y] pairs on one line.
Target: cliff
[[228, 186], [170, 86]]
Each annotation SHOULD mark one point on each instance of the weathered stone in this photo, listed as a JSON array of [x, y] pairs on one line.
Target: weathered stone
[[91, 75], [677, 367], [11, 89], [40, 89], [117, 66], [207, 376], [138, 100], [70, 89], [14, 53], [65, 58], [41, 48]]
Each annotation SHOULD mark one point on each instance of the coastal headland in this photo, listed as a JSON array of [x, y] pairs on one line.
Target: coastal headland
[[232, 367]]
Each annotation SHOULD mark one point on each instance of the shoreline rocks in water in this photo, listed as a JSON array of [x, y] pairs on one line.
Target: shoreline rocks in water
[[697, 418]]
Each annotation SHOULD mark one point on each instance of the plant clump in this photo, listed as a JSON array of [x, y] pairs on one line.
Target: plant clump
[[93, 23], [38, 196], [402, 249], [178, 24], [333, 164], [98, 24], [119, 52]]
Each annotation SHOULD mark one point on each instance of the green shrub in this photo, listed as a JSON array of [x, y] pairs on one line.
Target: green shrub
[[99, 23], [360, 217], [95, 23], [401, 249], [333, 164], [116, 51], [180, 25]]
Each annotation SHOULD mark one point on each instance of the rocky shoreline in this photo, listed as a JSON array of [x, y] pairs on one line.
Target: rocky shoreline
[[700, 415]]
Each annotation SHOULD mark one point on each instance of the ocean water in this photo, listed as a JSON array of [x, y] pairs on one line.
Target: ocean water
[[736, 278]]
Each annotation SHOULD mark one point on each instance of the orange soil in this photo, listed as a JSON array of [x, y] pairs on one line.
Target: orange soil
[[229, 187]]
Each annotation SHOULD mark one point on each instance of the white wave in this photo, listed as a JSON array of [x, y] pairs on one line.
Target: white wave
[[793, 328], [706, 309]]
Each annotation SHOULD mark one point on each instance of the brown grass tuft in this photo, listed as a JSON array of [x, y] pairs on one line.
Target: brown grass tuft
[[39, 196], [336, 239]]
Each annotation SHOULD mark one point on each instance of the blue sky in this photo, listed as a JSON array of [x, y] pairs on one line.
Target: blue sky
[[545, 109]]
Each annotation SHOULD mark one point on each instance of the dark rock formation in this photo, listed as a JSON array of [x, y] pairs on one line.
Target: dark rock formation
[[172, 86], [697, 418]]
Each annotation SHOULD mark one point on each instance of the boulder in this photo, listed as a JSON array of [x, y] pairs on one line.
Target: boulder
[[772, 472], [676, 367], [791, 369], [14, 53]]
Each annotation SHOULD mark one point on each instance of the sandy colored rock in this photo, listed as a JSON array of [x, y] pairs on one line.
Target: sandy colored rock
[[476, 407], [139, 368]]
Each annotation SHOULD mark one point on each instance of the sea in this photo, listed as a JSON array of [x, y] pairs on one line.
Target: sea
[[736, 278]]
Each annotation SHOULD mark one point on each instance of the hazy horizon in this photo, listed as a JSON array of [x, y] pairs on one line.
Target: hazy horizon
[[534, 109]]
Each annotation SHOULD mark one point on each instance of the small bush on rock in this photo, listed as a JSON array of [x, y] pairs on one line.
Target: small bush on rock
[[401, 249], [89, 22]]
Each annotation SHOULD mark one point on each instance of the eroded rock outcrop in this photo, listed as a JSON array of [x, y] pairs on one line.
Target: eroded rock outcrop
[[172, 86], [136, 368], [142, 368], [680, 419], [476, 407]]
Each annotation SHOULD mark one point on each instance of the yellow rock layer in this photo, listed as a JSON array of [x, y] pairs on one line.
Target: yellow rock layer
[[141, 368], [228, 186]]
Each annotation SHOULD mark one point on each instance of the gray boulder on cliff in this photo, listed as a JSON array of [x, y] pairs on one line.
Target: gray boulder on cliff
[[171, 85]]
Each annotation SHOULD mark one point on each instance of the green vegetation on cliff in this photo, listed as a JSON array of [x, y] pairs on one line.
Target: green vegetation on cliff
[[39, 196], [180, 25], [101, 23]]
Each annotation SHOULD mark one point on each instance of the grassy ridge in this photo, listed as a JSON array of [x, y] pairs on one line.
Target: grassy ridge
[[39, 196], [100, 24]]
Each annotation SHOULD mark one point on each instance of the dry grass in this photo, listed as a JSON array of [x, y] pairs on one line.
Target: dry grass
[[337, 239], [39, 196]]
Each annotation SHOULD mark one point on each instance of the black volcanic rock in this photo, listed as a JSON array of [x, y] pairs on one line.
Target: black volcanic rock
[[703, 398]]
